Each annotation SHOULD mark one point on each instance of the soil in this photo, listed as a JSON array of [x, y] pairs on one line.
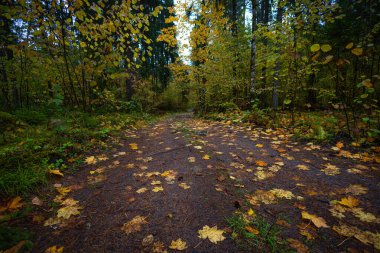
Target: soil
[[219, 187]]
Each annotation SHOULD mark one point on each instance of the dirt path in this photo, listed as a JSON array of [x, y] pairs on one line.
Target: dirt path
[[227, 168]]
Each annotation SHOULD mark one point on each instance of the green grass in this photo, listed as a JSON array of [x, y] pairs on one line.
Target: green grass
[[267, 240], [49, 142]]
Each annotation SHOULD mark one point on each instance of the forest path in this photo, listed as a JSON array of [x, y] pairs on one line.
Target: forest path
[[175, 177]]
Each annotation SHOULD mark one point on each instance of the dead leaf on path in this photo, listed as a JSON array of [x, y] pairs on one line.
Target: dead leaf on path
[[317, 221], [159, 247], [148, 240], [69, 202], [206, 157], [130, 165], [302, 167], [12, 204], [56, 172], [261, 163], [91, 160], [184, 186], [133, 146], [53, 221], [68, 211], [36, 201], [54, 249], [363, 216], [178, 245], [330, 170], [297, 245], [158, 189], [191, 159], [280, 193], [262, 175], [365, 237], [63, 190], [134, 225], [259, 145], [141, 190], [283, 223], [198, 147], [349, 202], [356, 189], [213, 234], [308, 231], [156, 182]]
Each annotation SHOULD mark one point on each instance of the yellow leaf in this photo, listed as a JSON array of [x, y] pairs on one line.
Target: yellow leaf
[[213, 234], [184, 186], [178, 245], [357, 51], [134, 146], [350, 45], [349, 202], [251, 212], [318, 221], [206, 157], [54, 249], [63, 190], [141, 190], [56, 172], [158, 189], [134, 225], [326, 48], [339, 145], [315, 48], [91, 160], [259, 145], [68, 211]]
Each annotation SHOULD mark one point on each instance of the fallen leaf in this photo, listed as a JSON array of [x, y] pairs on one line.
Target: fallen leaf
[[213, 234], [148, 240], [349, 202], [365, 237], [178, 245], [206, 157], [141, 190], [184, 186], [159, 247], [302, 167], [133, 146], [356, 189], [261, 163], [54, 249], [251, 213], [68, 211], [318, 221], [158, 189], [36, 201], [252, 230], [283, 223], [297, 245], [191, 159], [91, 160], [56, 172], [134, 225], [63, 190], [330, 170], [15, 203]]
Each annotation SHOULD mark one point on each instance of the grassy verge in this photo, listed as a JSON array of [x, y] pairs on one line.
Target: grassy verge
[[36, 143], [254, 233]]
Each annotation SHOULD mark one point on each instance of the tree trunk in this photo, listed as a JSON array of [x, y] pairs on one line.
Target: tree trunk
[[278, 62], [253, 50]]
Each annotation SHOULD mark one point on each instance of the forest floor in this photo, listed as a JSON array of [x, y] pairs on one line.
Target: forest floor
[[167, 181]]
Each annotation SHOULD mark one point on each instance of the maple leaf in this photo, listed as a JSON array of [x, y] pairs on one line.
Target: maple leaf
[[330, 170], [356, 189], [349, 202], [297, 245], [158, 189], [363, 216], [251, 213], [155, 182], [53, 221], [206, 157], [54, 249], [213, 234], [318, 221], [148, 240], [133, 146], [365, 237], [178, 245], [134, 225], [68, 211], [159, 247], [56, 172], [280, 193], [69, 202], [91, 160]]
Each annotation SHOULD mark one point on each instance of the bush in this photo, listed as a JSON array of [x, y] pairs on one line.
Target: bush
[[31, 117]]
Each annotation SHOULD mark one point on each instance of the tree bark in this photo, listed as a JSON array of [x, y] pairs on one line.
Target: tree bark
[[253, 51], [278, 62]]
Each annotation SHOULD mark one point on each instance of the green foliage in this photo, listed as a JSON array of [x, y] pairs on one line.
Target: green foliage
[[267, 240], [32, 117], [11, 236]]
